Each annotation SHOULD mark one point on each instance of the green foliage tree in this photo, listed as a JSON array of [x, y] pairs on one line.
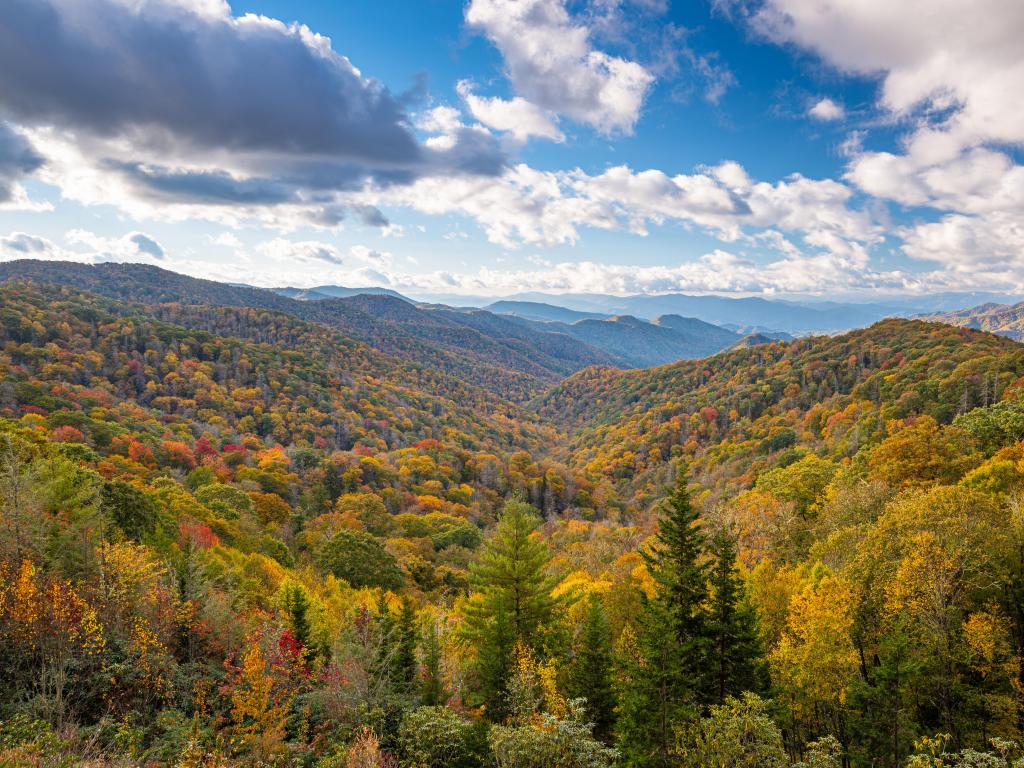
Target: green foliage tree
[[360, 559], [432, 690], [739, 733], [590, 674], [551, 742], [405, 665], [735, 652], [435, 737], [296, 605], [130, 509], [511, 602], [667, 671]]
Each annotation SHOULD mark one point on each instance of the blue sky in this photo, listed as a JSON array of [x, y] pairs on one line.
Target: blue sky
[[776, 147]]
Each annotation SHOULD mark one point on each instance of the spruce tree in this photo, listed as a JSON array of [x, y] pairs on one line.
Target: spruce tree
[[296, 605], [405, 667], [735, 652], [590, 675], [669, 679], [385, 634], [511, 602], [432, 692]]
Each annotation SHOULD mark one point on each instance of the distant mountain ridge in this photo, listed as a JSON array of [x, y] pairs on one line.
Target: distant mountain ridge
[[636, 343], [320, 292], [1002, 319], [507, 354], [535, 310], [753, 314], [512, 367]]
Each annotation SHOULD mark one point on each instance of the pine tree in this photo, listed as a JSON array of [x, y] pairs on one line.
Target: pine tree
[[590, 675], [404, 668], [386, 636], [511, 603], [669, 679], [432, 692], [296, 606], [735, 651], [677, 565]]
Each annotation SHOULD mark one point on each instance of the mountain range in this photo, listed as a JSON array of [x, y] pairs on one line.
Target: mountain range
[[518, 347], [1001, 319], [508, 353]]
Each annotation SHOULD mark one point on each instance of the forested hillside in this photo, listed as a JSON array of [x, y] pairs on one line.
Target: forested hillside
[[513, 365], [237, 533], [1004, 319]]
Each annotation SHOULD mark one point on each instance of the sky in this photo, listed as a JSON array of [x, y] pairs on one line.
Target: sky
[[819, 148]]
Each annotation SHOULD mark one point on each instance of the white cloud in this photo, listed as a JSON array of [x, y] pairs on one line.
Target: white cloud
[[977, 180], [827, 110], [308, 251], [515, 116], [85, 246], [551, 63], [21, 245], [952, 73], [315, 252], [527, 206], [718, 271], [939, 54], [135, 246], [986, 248], [188, 130], [226, 240]]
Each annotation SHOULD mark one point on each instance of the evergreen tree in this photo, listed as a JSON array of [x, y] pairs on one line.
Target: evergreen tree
[[590, 676], [386, 636], [669, 674], [296, 606], [432, 692], [735, 651], [677, 565], [404, 668], [511, 603]]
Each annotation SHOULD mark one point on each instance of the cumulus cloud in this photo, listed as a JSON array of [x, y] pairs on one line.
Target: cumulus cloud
[[826, 110], [83, 246], [950, 78], [173, 102], [135, 246], [308, 251], [988, 248], [719, 271], [515, 116], [314, 252], [528, 206], [21, 245], [551, 62], [927, 52]]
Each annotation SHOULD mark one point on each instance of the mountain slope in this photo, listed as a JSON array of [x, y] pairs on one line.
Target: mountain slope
[[260, 372], [535, 310], [509, 367], [334, 291], [630, 342], [627, 425], [1003, 319]]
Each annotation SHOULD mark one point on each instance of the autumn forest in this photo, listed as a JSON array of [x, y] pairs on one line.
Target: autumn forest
[[243, 530]]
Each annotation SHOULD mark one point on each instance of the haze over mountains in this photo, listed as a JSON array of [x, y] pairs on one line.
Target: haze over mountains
[[798, 317]]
